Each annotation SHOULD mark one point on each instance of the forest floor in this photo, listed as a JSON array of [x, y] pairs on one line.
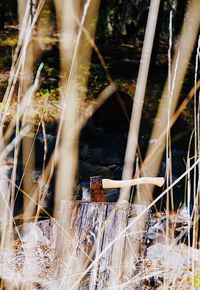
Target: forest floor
[[122, 62]]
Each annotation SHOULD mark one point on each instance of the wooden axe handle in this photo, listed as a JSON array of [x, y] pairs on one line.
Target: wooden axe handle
[[108, 183]]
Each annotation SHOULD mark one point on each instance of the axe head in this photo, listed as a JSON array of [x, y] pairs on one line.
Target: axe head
[[97, 184], [97, 193]]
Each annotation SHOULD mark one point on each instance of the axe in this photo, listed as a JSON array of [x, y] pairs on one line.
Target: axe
[[97, 184]]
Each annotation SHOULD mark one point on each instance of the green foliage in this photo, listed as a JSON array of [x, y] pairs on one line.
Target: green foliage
[[52, 94], [45, 105], [48, 70], [97, 79], [1, 106], [119, 19], [195, 280], [9, 41]]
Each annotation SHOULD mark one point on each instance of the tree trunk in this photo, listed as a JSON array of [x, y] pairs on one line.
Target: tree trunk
[[157, 35]]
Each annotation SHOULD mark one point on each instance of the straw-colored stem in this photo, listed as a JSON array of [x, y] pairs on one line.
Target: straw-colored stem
[[183, 52], [139, 96]]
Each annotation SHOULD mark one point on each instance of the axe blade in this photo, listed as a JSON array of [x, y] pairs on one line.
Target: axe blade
[[97, 193]]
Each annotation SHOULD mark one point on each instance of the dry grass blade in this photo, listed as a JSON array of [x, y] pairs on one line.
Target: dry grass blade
[[183, 53], [132, 142]]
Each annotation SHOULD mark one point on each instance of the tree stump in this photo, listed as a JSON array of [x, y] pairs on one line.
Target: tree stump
[[95, 245], [94, 250]]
